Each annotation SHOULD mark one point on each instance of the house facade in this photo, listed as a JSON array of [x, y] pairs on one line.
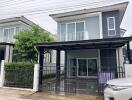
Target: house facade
[[92, 43], [99, 23], [8, 28]]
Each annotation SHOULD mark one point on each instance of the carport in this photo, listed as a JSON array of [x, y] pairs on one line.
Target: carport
[[79, 45]]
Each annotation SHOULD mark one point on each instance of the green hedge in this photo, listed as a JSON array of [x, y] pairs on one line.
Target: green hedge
[[19, 74]]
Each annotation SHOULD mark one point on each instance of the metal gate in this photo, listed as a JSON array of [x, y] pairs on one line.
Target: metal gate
[[90, 86], [50, 83], [67, 85]]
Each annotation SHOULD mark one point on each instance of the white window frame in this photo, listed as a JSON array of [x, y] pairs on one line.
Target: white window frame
[[8, 34], [76, 29], [108, 28], [87, 68], [67, 31], [78, 66], [75, 22], [61, 33]]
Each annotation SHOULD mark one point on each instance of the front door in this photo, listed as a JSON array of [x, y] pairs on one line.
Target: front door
[[87, 67]]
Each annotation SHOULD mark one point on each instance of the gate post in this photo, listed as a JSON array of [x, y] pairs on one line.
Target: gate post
[[58, 70], [41, 61], [58, 65], [36, 78], [2, 76]]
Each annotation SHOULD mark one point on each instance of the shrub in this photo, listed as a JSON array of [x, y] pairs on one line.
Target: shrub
[[19, 74]]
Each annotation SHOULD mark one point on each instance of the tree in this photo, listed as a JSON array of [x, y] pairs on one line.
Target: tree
[[25, 40]]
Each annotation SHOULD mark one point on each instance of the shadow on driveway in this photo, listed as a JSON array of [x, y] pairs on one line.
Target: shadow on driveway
[[15, 94]]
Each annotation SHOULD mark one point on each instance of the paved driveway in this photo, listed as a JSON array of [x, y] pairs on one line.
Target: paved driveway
[[12, 94]]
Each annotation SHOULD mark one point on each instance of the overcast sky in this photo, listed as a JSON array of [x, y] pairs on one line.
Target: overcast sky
[[38, 11]]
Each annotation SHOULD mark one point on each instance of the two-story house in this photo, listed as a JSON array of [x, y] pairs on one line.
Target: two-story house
[[92, 43], [10, 27]]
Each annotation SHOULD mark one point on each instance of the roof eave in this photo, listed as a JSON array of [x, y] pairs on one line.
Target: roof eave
[[15, 19], [120, 6], [5, 43]]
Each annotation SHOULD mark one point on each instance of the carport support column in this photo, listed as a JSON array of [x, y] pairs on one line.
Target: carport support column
[[129, 53], [58, 69], [41, 61]]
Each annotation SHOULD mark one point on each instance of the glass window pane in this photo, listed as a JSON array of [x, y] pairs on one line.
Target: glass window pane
[[112, 32], [63, 32], [11, 34], [111, 23], [17, 30], [82, 67], [6, 35], [73, 66], [92, 67], [71, 31], [80, 31], [80, 27]]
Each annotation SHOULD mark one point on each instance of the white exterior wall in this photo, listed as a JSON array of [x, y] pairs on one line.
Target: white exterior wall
[[128, 70], [7, 55], [119, 56]]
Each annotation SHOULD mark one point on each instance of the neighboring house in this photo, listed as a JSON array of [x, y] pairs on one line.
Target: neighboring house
[[92, 42], [10, 27]]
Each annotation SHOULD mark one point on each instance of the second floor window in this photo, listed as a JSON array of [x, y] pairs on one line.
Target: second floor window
[[72, 31], [111, 26], [8, 34]]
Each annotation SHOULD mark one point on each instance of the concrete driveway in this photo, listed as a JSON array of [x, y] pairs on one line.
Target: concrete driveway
[[15, 94]]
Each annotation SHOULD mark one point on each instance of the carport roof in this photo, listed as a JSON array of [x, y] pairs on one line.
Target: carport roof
[[5, 43], [85, 44]]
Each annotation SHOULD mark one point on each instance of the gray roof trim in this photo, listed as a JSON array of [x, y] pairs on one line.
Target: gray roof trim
[[5, 43], [94, 43], [119, 6], [16, 19]]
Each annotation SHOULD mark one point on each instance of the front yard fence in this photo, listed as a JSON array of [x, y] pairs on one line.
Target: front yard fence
[[19, 75]]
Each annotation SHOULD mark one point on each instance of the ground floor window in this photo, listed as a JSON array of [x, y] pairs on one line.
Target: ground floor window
[[83, 67]]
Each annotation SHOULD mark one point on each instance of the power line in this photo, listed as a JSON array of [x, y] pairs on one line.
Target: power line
[[22, 2], [58, 3], [50, 10], [9, 2]]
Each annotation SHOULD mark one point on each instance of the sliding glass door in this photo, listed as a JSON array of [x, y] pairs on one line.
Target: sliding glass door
[[82, 67], [87, 67], [92, 67]]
